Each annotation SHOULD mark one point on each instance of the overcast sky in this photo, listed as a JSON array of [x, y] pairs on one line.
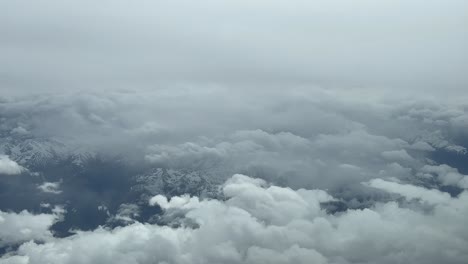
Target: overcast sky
[[405, 46]]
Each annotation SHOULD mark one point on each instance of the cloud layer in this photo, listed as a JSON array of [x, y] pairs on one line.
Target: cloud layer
[[415, 46], [262, 223], [122, 125]]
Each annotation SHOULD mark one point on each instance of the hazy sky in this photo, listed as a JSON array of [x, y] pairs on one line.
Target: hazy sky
[[404, 46]]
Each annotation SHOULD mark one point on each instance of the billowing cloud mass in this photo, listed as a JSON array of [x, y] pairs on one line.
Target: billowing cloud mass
[[8, 166], [262, 223], [247, 131], [332, 178], [24, 226]]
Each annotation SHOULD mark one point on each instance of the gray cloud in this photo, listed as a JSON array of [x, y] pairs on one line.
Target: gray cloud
[[409, 47], [446, 175], [305, 139], [315, 137]]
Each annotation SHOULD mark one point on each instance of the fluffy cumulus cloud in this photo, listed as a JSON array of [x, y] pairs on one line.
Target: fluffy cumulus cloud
[[24, 226], [8, 166], [262, 223], [446, 175]]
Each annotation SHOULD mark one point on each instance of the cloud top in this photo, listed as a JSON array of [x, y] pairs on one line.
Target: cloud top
[[262, 223], [8, 166]]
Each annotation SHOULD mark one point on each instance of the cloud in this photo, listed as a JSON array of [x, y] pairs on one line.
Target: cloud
[[8, 166], [21, 227], [125, 214], [20, 130], [148, 44], [421, 145], [446, 175], [305, 137], [262, 223], [136, 113], [172, 116], [411, 192], [50, 187], [397, 155], [263, 133], [318, 160]]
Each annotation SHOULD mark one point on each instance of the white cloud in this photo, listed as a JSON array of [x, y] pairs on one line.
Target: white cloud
[[421, 145], [260, 223], [125, 214], [50, 187], [24, 226], [411, 192], [20, 130], [446, 175], [8, 166]]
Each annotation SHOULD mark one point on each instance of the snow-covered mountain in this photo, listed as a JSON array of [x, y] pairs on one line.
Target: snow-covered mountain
[[172, 182], [40, 154], [87, 182], [37, 152]]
